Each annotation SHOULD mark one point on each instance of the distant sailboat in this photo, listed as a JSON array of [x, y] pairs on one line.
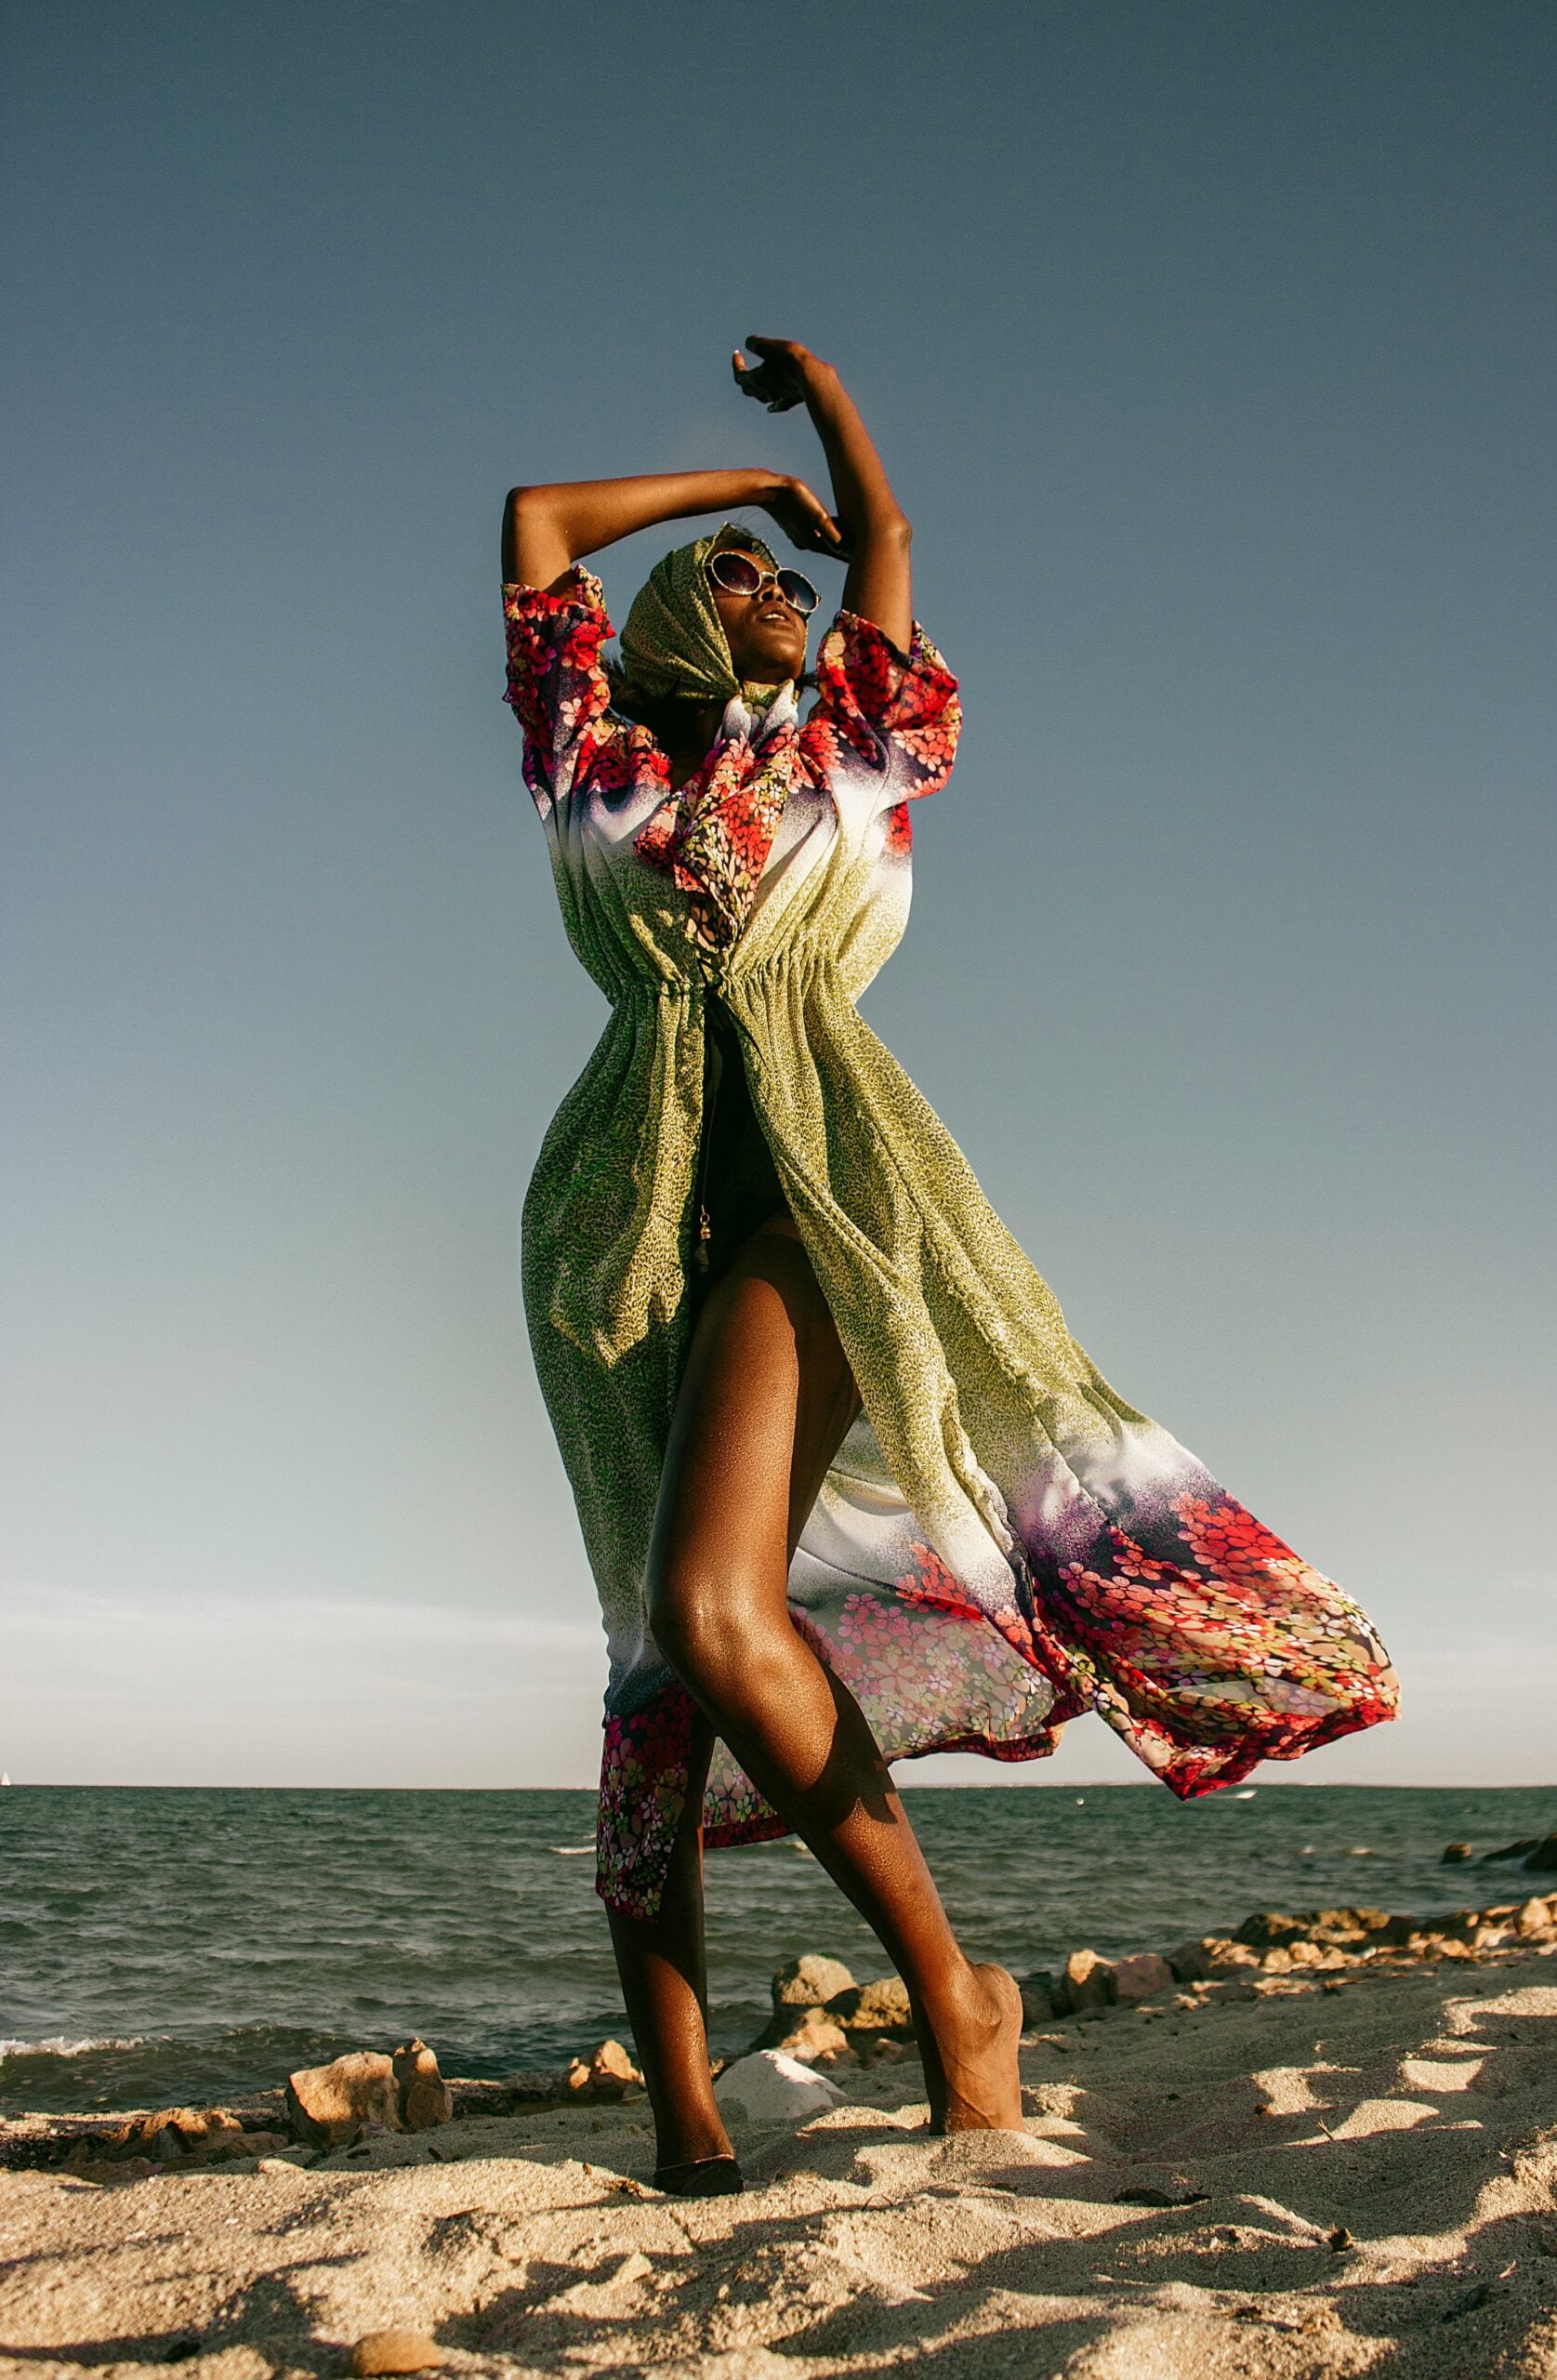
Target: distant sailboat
[[4, 1778]]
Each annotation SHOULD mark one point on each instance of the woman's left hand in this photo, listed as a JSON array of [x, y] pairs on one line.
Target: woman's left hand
[[779, 381]]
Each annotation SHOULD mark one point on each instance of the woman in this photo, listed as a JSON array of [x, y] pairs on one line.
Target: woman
[[850, 1489]]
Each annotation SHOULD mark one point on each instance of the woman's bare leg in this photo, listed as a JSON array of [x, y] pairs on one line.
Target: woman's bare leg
[[665, 1986], [765, 1401]]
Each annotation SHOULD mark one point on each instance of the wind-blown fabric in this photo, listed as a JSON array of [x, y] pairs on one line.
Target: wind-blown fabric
[[1002, 1542]]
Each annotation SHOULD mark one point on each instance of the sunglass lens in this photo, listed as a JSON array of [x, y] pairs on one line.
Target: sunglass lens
[[799, 590], [737, 574]]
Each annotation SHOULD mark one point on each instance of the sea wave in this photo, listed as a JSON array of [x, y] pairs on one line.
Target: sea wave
[[65, 2045]]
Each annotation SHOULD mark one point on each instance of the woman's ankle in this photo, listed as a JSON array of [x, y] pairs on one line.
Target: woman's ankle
[[688, 2125], [956, 1999]]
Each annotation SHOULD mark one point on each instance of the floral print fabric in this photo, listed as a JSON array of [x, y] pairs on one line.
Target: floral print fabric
[[715, 835], [1002, 1542]]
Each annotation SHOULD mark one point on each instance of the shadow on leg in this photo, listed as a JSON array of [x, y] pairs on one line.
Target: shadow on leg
[[765, 1402]]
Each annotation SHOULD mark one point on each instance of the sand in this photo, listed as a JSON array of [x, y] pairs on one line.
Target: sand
[[1366, 2166]]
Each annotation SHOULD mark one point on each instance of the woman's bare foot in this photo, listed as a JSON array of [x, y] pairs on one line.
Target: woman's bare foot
[[981, 2087]]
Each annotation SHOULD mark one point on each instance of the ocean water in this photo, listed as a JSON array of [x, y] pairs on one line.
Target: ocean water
[[163, 1946]]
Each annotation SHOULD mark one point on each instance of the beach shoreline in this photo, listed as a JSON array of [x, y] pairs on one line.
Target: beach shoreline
[[1277, 2166], [165, 1947]]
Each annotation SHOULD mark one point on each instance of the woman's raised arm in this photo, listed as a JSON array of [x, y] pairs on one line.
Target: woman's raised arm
[[876, 529], [546, 530]]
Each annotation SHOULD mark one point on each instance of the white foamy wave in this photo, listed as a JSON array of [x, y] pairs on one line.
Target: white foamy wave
[[63, 2045], [571, 1850]]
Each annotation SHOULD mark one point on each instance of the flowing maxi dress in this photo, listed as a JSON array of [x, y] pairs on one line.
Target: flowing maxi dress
[[1002, 1542]]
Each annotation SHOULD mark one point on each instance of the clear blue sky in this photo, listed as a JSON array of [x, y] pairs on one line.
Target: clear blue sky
[[1211, 347]]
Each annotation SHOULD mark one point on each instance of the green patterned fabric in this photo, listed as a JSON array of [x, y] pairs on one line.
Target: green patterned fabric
[[1002, 1541], [674, 642]]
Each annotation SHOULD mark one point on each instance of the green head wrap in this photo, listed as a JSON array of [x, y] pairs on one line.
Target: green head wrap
[[674, 642]]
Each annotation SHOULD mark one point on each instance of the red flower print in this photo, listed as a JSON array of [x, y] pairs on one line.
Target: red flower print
[[930, 1582], [556, 687], [713, 838], [643, 1786], [898, 711], [1210, 1661]]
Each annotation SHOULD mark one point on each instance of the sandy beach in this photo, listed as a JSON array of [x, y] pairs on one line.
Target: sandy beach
[[1264, 2172]]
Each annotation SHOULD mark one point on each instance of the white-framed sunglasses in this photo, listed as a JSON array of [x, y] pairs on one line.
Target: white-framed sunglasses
[[741, 574]]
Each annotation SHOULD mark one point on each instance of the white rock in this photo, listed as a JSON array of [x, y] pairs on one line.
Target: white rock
[[768, 2087]]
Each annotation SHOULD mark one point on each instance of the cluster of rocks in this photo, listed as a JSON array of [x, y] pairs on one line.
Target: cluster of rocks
[[1273, 1943], [1087, 1984], [1537, 1852], [823, 2017], [367, 2090], [128, 2147], [351, 2100]]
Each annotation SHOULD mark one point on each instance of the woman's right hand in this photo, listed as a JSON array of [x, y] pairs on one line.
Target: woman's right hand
[[804, 518]]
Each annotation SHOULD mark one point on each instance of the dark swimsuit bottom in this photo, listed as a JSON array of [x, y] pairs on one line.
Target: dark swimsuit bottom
[[738, 1183]]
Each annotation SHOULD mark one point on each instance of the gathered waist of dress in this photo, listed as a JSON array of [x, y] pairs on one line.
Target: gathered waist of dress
[[714, 991]]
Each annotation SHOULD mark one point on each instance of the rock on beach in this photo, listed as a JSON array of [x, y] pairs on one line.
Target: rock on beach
[[608, 2074], [327, 2106], [422, 2096], [379, 2353], [810, 1982], [813, 2036], [768, 2088], [1141, 1977], [873, 2007], [851, 2019], [330, 2106], [1087, 1982]]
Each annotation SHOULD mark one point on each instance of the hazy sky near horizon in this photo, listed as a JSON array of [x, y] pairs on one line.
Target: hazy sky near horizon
[[1211, 347]]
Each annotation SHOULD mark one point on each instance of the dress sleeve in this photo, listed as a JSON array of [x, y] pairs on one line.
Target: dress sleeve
[[897, 712], [556, 688]]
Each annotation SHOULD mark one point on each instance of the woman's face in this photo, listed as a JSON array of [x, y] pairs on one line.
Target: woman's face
[[766, 635]]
